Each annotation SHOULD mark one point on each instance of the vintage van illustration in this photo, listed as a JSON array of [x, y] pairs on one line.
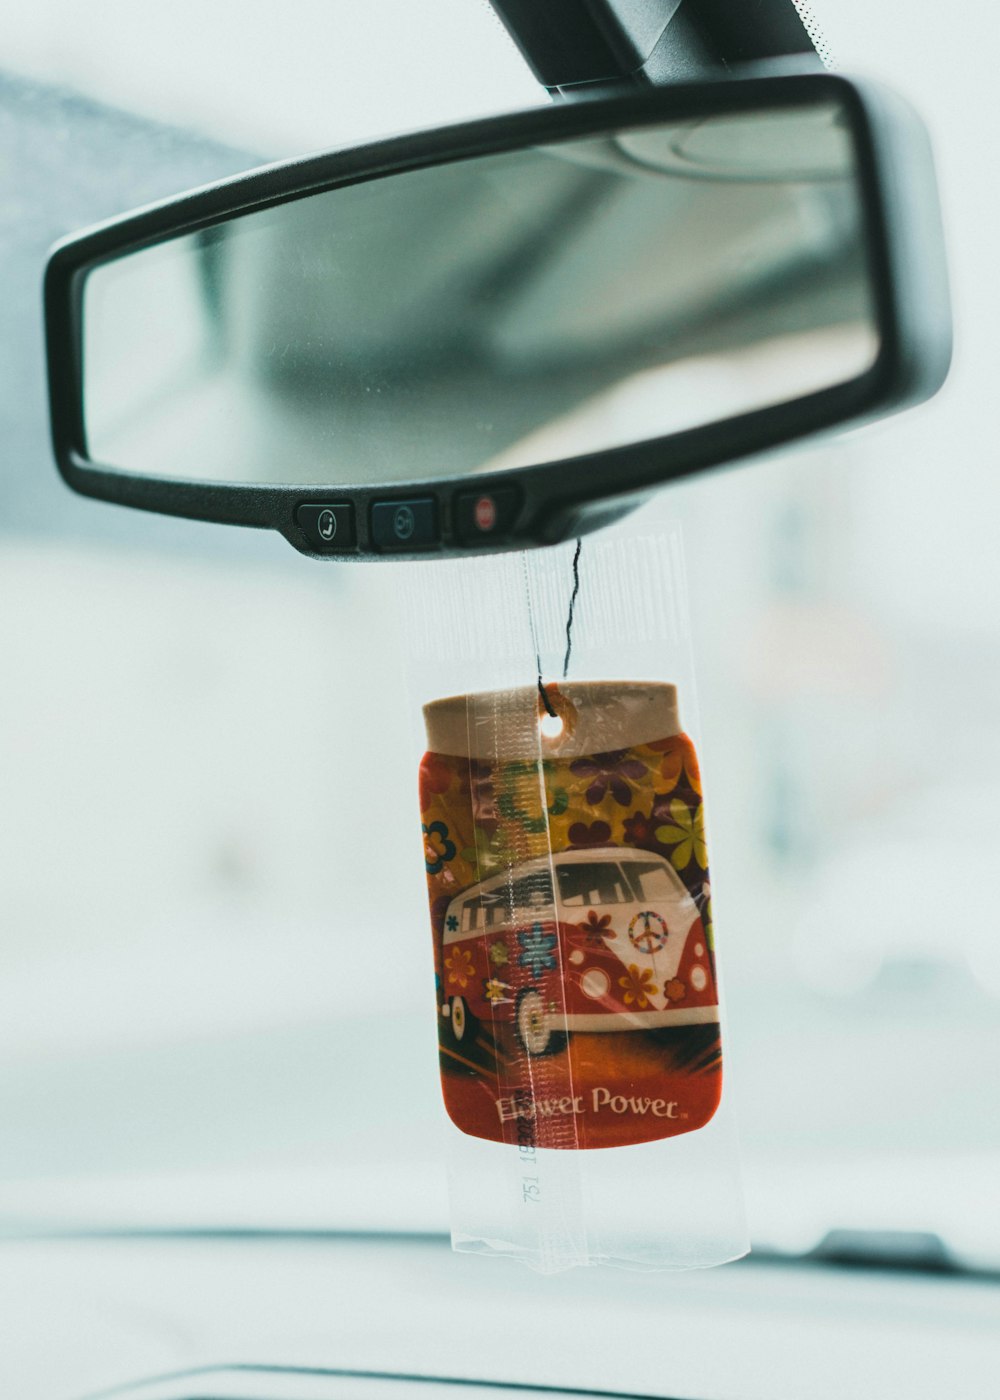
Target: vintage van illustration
[[594, 940]]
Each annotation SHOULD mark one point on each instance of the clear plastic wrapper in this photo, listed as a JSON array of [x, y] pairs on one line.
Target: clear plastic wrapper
[[575, 968]]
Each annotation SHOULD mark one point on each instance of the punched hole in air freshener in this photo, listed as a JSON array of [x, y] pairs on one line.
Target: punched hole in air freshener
[[551, 726], [557, 715]]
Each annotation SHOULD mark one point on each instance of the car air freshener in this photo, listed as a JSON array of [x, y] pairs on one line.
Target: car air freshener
[[577, 1001], [570, 908]]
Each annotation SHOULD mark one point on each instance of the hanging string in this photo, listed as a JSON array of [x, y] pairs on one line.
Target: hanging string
[[542, 693], [572, 605]]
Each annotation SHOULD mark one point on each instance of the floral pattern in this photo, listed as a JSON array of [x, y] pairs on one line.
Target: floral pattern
[[685, 834], [435, 778], [676, 762], [594, 929], [672, 766], [637, 986], [437, 847], [484, 801], [478, 821], [481, 819], [583, 834], [638, 829], [458, 966], [495, 991], [537, 950], [612, 773]]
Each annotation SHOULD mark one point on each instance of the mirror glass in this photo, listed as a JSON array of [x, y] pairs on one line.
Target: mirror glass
[[490, 313]]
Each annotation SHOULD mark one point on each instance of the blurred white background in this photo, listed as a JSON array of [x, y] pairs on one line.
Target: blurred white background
[[207, 785]]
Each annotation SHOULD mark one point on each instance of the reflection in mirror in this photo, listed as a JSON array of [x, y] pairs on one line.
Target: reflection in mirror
[[490, 313]]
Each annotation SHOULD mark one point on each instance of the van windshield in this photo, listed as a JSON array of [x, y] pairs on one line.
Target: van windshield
[[652, 881], [597, 882]]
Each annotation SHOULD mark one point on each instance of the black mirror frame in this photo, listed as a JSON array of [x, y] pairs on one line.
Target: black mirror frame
[[556, 500]]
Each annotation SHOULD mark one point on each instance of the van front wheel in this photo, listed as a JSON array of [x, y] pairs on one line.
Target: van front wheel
[[531, 1022], [463, 1024]]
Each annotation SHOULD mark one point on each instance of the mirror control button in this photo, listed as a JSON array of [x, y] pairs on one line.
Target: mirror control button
[[486, 514], [327, 528], [405, 524]]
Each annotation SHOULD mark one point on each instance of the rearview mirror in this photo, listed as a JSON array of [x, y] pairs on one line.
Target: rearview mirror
[[507, 332]]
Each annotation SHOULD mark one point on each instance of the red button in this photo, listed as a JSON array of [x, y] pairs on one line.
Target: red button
[[485, 513], [489, 513]]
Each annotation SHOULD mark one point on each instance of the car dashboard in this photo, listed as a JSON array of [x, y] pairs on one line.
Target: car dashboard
[[368, 1317]]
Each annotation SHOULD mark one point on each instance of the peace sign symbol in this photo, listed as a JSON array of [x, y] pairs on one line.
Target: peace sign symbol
[[642, 933]]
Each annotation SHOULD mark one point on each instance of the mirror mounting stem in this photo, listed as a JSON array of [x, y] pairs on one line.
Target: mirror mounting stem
[[585, 48]]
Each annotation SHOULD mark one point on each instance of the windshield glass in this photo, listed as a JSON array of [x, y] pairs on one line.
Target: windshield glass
[[596, 882], [215, 1002], [652, 881]]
